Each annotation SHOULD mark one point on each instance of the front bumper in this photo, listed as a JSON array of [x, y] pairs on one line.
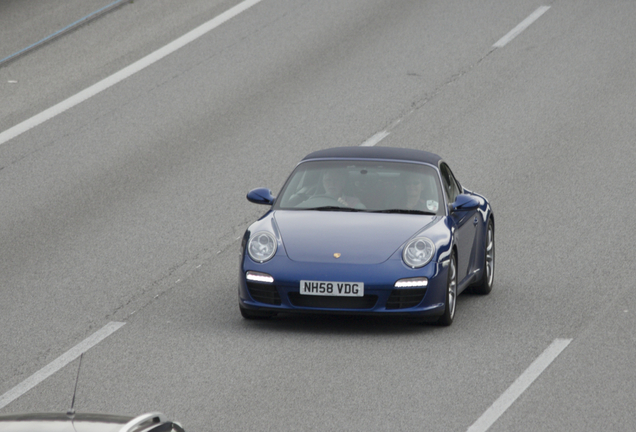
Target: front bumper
[[380, 295]]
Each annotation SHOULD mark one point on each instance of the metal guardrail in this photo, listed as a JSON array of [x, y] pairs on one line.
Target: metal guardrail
[[68, 28]]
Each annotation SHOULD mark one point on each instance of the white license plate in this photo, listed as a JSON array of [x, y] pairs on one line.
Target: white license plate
[[339, 289]]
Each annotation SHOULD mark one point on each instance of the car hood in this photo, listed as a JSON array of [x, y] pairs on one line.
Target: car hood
[[61, 422], [359, 237]]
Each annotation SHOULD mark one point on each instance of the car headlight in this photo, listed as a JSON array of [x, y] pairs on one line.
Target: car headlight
[[418, 252], [261, 246]]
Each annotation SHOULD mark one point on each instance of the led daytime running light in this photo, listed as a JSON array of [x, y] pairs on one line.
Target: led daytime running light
[[259, 277], [412, 283]]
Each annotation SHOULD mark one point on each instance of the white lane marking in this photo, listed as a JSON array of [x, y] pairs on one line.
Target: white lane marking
[[520, 385], [125, 72], [375, 139], [59, 363], [521, 27]]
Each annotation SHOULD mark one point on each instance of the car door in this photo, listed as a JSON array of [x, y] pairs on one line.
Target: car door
[[463, 222]]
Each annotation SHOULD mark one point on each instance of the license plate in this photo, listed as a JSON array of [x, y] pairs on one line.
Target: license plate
[[339, 289]]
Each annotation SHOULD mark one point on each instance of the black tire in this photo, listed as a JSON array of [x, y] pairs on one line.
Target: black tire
[[484, 286], [256, 315], [451, 294]]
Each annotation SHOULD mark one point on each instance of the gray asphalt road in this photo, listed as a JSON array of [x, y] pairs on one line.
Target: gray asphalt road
[[129, 206]]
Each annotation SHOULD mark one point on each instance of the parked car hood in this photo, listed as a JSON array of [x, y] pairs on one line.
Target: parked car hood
[[60, 422], [359, 237]]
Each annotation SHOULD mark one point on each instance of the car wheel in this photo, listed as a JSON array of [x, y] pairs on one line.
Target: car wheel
[[451, 294], [484, 286], [254, 315]]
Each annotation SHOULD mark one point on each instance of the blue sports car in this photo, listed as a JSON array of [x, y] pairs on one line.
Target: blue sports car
[[367, 230]]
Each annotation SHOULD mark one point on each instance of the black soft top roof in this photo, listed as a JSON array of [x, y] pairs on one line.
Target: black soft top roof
[[389, 153]]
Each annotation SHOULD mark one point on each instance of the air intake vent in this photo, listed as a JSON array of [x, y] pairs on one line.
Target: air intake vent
[[264, 293], [405, 298]]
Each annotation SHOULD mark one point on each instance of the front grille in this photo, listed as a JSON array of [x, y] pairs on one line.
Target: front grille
[[405, 298], [264, 293], [365, 302]]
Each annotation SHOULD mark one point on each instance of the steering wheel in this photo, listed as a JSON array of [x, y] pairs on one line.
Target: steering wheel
[[320, 201], [301, 196]]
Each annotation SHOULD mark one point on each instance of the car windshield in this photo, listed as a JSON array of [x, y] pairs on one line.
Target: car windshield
[[363, 185]]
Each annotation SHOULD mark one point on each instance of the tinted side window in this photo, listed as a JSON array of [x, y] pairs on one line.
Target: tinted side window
[[450, 184], [458, 187]]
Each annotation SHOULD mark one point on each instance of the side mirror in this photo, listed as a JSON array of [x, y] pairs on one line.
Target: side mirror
[[261, 196], [465, 202]]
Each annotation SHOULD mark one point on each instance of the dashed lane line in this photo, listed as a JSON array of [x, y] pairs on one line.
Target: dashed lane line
[[521, 27], [520, 385], [125, 72], [59, 363]]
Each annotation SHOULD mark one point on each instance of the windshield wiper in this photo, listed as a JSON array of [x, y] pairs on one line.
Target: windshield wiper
[[332, 208], [406, 211]]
